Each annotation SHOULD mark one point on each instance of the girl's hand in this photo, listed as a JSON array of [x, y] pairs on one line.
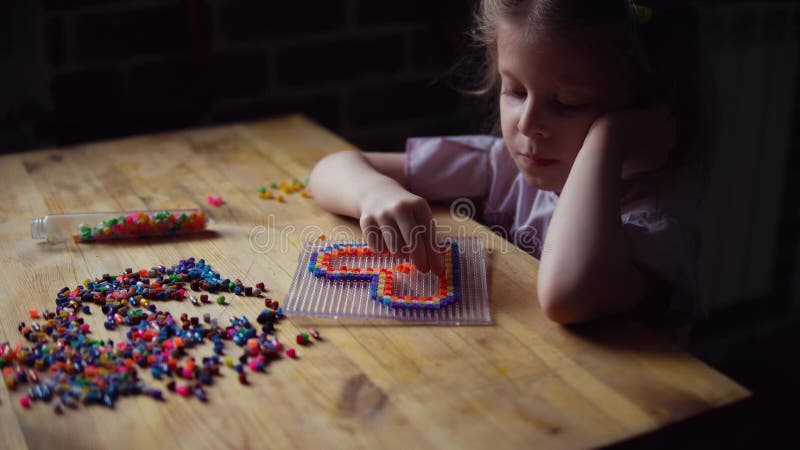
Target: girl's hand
[[643, 137], [396, 220]]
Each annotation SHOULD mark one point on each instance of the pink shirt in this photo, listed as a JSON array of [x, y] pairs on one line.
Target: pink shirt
[[658, 214]]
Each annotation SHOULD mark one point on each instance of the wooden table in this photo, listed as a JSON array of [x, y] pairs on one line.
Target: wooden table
[[522, 382]]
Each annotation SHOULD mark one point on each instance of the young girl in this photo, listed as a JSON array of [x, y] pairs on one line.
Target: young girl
[[590, 175]]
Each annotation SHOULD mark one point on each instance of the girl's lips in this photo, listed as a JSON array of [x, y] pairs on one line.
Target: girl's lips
[[535, 161]]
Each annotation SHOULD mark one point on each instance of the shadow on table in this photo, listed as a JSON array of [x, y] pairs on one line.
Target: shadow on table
[[626, 333]]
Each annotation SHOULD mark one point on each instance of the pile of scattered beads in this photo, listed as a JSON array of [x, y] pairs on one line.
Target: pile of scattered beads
[[141, 224], [283, 188], [323, 263], [214, 201], [92, 371]]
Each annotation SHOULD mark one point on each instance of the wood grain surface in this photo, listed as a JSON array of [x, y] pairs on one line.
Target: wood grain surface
[[522, 382]]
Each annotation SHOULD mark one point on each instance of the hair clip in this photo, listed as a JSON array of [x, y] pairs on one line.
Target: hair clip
[[643, 13]]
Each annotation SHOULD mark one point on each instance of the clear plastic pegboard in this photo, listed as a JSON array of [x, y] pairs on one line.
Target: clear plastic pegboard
[[350, 300]]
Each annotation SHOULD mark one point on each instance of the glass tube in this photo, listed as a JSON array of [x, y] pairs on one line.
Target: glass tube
[[102, 226]]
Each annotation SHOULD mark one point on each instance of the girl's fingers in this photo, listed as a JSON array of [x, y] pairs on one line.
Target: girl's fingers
[[372, 234], [428, 243], [407, 229], [410, 231], [390, 234]]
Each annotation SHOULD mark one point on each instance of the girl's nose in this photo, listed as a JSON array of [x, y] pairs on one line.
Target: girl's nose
[[531, 122]]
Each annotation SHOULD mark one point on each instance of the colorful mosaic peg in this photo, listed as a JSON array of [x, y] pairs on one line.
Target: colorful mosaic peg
[[323, 263], [283, 188], [141, 224], [214, 201], [405, 267], [303, 339]]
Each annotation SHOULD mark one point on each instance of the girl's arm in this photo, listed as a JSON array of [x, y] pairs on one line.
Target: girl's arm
[[369, 187], [586, 269], [340, 180]]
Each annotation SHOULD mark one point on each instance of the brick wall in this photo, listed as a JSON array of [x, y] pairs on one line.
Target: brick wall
[[370, 70]]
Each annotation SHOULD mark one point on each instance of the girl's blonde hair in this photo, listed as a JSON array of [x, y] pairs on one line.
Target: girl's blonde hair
[[656, 57]]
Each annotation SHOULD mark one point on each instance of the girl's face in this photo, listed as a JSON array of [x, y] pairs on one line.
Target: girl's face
[[551, 92]]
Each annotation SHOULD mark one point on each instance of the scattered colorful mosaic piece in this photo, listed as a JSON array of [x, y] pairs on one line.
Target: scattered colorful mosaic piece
[[324, 263], [214, 201], [405, 267], [92, 371], [302, 339], [140, 224], [283, 188]]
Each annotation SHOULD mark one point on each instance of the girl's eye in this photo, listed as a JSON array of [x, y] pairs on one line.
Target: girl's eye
[[569, 106], [514, 93]]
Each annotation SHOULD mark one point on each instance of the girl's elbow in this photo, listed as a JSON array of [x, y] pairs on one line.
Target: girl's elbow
[[572, 304], [562, 313], [319, 178], [562, 304], [318, 172]]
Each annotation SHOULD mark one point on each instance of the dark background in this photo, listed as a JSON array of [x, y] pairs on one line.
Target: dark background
[[93, 69], [376, 72]]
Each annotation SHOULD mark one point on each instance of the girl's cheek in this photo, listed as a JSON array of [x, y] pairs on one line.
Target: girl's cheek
[[511, 109], [507, 117]]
